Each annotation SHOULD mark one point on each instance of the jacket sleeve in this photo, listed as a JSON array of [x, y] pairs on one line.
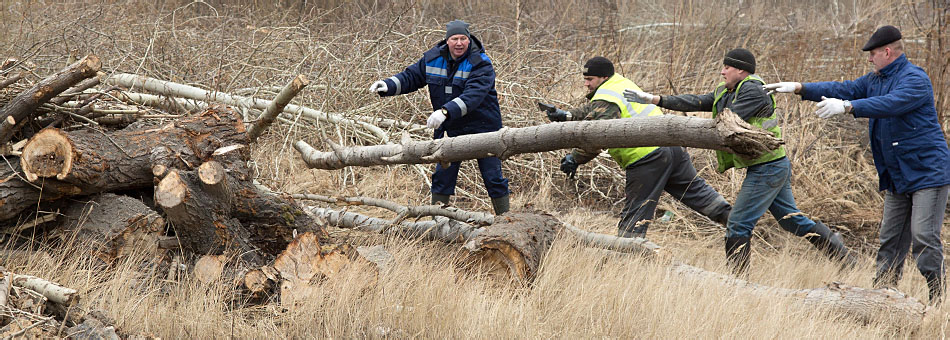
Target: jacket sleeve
[[908, 94], [595, 110], [688, 102], [407, 81], [751, 101], [847, 90], [479, 83]]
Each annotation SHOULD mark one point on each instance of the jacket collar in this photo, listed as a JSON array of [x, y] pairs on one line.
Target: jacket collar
[[475, 48], [892, 68]]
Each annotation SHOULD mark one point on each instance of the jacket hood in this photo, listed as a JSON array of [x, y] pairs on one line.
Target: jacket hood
[[475, 48]]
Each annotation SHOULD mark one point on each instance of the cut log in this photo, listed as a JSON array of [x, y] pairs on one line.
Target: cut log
[[114, 226], [52, 291], [99, 162], [277, 106], [25, 104], [727, 133], [516, 242], [208, 268], [305, 261]]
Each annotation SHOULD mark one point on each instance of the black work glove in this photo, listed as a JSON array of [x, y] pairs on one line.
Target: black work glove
[[569, 165], [554, 114]]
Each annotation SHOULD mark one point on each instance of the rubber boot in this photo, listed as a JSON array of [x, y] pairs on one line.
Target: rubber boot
[[440, 198], [831, 244], [737, 254], [935, 284], [500, 205]]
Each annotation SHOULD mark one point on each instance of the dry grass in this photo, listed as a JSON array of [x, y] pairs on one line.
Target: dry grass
[[537, 49]]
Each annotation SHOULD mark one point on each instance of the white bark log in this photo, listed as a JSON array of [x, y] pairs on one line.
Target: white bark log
[[403, 211], [727, 133], [52, 291], [277, 106], [168, 88]]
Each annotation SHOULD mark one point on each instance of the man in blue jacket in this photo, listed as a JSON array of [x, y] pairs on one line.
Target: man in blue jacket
[[910, 153], [461, 83]]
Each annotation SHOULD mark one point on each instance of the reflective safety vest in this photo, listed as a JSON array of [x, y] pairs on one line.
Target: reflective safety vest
[[728, 160], [612, 91]]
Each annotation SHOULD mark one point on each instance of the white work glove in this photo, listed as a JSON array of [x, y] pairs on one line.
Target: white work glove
[[638, 96], [379, 87], [435, 119], [782, 87], [830, 107]]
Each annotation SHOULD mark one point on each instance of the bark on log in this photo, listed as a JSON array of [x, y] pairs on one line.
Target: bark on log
[[4, 289], [114, 226], [864, 305], [277, 106], [727, 133], [25, 104], [403, 211], [517, 242], [52, 291], [99, 162]]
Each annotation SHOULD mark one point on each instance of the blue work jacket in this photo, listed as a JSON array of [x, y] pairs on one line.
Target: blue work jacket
[[465, 88], [910, 150]]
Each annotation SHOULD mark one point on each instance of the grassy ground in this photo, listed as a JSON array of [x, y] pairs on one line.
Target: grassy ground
[[537, 49]]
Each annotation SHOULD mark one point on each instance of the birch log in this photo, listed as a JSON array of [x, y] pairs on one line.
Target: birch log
[[168, 88], [727, 133], [277, 106]]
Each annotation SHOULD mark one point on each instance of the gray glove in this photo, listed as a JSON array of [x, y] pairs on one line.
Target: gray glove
[[638, 96], [554, 114]]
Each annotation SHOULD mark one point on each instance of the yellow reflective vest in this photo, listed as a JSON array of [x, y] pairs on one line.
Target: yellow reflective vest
[[612, 91], [728, 160]]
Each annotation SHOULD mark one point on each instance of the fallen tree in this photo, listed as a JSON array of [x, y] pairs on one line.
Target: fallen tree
[[508, 252], [727, 133]]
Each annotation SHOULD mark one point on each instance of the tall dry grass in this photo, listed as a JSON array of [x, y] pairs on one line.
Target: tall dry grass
[[537, 49]]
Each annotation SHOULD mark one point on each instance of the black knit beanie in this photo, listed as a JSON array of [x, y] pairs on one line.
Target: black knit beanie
[[598, 67], [740, 58], [457, 27]]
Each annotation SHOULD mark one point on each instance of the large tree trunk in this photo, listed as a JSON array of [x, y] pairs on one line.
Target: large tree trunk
[[516, 243], [514, 254], [25, 104], [727, 133]]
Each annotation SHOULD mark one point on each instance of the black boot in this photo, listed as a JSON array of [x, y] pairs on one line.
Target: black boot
[[831, 244], [440, 198], [935, 284], [737, 254], [500, 205], [886, 279]]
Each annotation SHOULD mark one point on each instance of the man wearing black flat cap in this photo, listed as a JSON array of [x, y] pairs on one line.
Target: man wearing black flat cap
[[767, 184], [650, 170], [910, 154]]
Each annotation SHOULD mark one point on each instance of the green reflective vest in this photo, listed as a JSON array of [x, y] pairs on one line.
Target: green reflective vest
[[612, 91], [770, 123]]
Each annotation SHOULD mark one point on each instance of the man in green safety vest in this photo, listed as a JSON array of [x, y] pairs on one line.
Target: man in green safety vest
[[649, 170], [767, 185]]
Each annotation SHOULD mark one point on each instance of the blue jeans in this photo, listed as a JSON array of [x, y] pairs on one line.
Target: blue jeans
[[767, 186]]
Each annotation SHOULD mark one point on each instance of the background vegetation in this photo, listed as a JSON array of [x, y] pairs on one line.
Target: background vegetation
[[537, 48]]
